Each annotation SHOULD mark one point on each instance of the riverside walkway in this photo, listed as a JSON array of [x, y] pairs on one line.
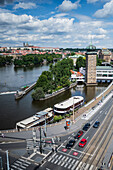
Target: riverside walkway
[[58, 128]]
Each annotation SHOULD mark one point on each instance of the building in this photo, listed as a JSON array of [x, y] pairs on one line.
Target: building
[[105, 54], [91, 55], [103, 74]]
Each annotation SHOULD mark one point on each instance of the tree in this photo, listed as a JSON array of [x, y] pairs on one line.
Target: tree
[[38, 93], [81, 62], [99, 61]]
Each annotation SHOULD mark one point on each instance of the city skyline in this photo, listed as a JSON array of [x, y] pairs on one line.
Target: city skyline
[[54, 23]]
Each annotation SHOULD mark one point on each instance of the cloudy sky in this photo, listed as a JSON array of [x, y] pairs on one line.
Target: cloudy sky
[[56, 23]]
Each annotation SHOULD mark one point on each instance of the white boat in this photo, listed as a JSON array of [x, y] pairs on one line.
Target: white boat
[[67, 105], [36, 120]]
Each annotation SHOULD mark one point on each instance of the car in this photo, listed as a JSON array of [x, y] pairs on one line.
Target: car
[[82, 143], [70, 144], [86, 126], [79, 134], [96, 124]]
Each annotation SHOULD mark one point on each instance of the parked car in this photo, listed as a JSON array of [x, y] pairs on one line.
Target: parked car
[[96, 124], [86, 126], [79, 134], [82, 142], [70, 144]]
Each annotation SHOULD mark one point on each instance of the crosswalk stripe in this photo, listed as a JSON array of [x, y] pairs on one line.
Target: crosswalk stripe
[[66, 165], [75, 165], [24, 160], [61, 160], [79, 165], [51, 157], [64, 161], [87, 166], [54, 158], [71, 164], [91, 167], [13, 166]]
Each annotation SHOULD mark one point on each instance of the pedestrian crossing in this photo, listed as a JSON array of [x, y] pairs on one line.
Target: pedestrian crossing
[[69, 163], [20, 164]]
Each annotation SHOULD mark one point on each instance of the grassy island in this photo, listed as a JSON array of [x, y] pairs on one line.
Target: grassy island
[[56, 78]]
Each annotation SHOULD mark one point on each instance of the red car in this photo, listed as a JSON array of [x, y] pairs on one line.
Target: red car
[[82, 142], [79, 134]]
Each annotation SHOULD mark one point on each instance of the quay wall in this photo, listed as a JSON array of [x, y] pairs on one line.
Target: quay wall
[[58, 92], [78, 113]]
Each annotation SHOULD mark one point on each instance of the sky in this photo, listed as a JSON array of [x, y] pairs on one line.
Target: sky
[[56, 23]]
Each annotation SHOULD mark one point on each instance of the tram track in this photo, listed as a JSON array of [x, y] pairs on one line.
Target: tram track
[[97, 145]]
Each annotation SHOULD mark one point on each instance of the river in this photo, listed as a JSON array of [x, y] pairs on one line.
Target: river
[[12, 111]]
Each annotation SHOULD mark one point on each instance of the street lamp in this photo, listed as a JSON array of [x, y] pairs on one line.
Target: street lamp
[[73, 109]]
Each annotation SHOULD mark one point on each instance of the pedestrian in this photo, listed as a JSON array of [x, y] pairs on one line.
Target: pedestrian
[[56, 149], [52, 149], [2, 135]]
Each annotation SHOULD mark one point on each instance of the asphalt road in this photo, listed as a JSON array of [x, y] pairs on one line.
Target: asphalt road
[[84, 158], [74, 158]]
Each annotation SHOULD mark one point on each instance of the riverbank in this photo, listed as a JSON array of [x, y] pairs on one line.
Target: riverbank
[[77, 114], [58, 92]]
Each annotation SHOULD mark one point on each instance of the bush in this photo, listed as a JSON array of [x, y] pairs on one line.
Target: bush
[[38, 93]]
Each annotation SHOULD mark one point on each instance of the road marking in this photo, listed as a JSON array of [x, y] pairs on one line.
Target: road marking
[[79, 165], [91, 167], [87, 166], [75, 165], [87, 137]]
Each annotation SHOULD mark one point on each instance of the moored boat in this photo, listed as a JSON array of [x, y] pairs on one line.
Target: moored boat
[[67, 105], [36, 120]]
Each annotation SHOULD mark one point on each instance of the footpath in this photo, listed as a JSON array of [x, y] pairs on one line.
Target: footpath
[[58, 129]]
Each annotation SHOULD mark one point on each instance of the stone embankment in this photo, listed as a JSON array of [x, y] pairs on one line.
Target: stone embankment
[[58, 92], [78, 113]]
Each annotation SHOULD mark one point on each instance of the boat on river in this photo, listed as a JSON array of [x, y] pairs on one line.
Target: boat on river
[[68, 105], [36, 120]]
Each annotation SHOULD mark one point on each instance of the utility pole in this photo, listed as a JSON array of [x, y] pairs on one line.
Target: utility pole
[[1, 167], [73, 109], [7, 160], [40, 141], [45, 126]]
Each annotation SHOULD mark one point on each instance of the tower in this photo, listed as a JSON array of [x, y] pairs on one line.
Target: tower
[[91, 65]]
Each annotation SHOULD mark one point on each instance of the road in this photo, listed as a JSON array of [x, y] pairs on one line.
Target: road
[[26, 155], [90, 157]]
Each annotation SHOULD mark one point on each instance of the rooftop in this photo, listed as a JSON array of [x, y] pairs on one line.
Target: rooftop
[[104, 68], [67, 103]]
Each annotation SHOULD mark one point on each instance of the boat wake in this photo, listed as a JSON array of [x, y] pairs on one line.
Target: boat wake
[[9, 92]]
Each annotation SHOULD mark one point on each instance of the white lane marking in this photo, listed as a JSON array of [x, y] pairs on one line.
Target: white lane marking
[[75, 165], [79, 165], [87, 166], [87, 137], [91, 167], [64, 161], [54, 158], [51, 157], [71, 164]]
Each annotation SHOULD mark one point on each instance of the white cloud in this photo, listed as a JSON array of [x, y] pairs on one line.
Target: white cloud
[[23, 5], [106, 11], [60, 15], [58, 31], [92, 1], [67, 5]]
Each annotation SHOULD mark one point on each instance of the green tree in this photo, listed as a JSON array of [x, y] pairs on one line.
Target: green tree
[[81, 62], [38, 93], [99, 61]]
